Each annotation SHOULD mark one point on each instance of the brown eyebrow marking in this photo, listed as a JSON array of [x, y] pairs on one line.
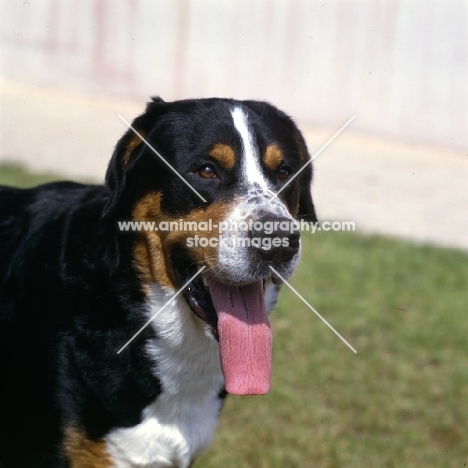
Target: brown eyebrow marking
[[224, 154], [273, 157]]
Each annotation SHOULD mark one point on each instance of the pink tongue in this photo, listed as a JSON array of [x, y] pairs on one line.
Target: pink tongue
[[244, 337]]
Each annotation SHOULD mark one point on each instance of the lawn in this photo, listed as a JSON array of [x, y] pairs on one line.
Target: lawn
[[401, 401], [17, 175]]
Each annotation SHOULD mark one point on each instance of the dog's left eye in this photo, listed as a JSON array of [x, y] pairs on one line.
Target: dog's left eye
[[283, 173], [207, 172]]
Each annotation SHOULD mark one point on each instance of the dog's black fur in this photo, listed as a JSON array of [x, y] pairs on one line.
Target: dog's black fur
[[71, 290]]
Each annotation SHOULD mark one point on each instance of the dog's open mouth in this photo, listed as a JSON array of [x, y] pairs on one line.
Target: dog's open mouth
[[239, 320]]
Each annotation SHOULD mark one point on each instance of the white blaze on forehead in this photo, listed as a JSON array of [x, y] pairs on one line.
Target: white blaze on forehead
[[258, 186], [256, 200], [251, 169]]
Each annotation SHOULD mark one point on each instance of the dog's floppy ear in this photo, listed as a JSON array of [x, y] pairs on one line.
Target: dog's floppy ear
[[306, 209], [306, 205], [126, 153]]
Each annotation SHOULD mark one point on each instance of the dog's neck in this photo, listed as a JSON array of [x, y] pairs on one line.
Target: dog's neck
[[180, 423]]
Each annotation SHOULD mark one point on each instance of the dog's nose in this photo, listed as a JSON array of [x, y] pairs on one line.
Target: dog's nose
[[275, 239]]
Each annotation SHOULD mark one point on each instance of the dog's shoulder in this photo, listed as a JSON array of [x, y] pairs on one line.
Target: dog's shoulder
[[37, 225], [68, 296]]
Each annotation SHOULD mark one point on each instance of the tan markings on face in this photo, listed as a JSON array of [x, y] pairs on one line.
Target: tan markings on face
[[152, 253], [134, 143], [224, 154], [273, 157], [83, 452]]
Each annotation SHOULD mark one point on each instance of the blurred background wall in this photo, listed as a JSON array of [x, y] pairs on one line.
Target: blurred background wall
[[401, 66], [67, 67]]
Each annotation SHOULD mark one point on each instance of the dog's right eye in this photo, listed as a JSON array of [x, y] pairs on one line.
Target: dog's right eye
[[207, 172]]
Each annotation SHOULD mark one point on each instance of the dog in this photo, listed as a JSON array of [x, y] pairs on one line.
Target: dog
[[118, 345]]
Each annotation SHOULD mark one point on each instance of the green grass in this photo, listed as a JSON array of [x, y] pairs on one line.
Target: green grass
[[401, 401], [16, 175]]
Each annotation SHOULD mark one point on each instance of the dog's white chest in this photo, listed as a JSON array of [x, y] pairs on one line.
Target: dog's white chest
[[166, 438], [179, 425]]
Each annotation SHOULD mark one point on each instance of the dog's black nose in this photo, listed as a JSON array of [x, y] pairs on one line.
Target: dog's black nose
[[275, 239]]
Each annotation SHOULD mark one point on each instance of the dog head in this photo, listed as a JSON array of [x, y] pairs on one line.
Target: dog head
[[218, 183]]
